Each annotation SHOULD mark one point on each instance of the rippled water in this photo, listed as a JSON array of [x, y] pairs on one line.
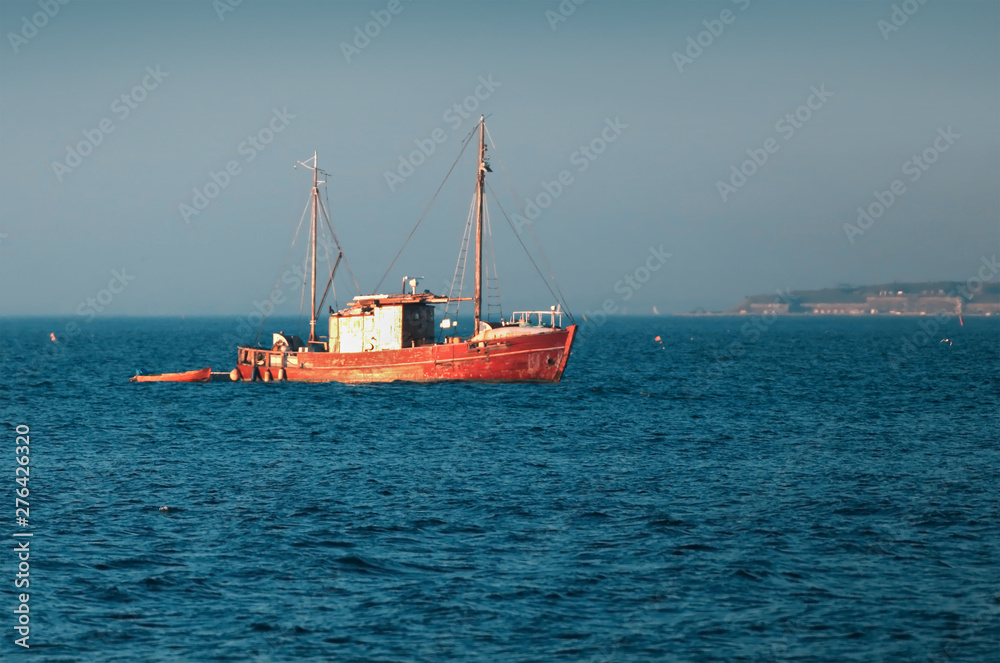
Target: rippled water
[[803, 493]]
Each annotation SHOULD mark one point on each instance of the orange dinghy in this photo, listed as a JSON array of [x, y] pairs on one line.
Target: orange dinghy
[[203, 375]]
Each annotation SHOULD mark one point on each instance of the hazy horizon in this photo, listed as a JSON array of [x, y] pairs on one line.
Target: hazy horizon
[[466, 315], [647, 111]]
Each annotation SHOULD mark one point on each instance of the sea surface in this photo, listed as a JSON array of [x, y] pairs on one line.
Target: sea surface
[[744, 489]]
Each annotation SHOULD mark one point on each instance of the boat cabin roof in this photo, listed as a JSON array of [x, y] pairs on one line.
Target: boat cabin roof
[[407, 298]]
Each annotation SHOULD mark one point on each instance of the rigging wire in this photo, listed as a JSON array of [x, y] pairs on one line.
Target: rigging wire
[[302, 299], [326, 251], [326, 216], [558, 298], [541, 253], [288, 254], [331, 265], [463, 260], [493, 256], [465, 144], [326, 255]]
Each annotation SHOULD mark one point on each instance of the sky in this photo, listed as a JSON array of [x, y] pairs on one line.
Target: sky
[[682, 155]]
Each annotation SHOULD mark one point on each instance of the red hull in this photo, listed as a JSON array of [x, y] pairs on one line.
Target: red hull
[[538, 357], [203, 375]]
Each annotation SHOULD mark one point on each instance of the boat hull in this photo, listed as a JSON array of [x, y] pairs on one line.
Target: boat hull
[[203, 375], [531, 357]]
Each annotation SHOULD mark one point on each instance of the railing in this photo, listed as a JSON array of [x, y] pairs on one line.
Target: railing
[[524, 318]]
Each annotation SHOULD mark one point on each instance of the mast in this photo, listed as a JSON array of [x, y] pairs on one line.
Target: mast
[[313, 239], [315, 201], [480, 181]]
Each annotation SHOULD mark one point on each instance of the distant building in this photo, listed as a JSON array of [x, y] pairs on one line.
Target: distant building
[[888, 304], [838, 308], [936, 304], [768, 308], [982, 308]]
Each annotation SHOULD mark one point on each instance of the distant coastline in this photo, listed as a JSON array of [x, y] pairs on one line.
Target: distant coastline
[[947, 298]]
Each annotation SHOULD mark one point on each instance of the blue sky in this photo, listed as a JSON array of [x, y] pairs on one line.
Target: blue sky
[[684, 125]]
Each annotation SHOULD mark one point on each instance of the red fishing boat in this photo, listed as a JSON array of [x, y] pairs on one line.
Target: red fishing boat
[[387, 337], [203, 375]]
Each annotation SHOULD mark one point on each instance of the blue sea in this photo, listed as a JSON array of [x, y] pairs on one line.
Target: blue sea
[[786, 489]]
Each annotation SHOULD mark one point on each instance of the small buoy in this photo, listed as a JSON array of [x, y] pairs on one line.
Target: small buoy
[[281, 374], [234, 375], [267, 375], [164, 509], [52, 335]]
